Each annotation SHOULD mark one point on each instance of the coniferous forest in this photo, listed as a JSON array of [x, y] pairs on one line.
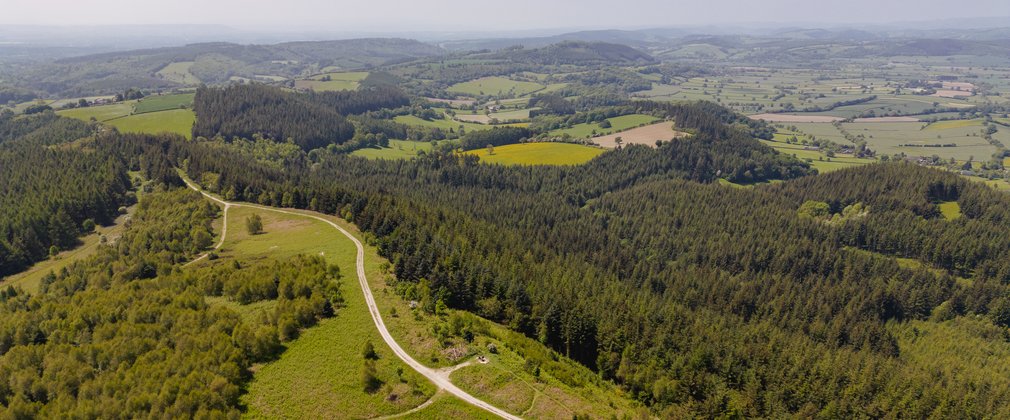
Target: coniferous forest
[[699, 299], [48, 192]]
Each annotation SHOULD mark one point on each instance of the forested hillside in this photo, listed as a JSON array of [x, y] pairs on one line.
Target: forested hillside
[[309, 120], [800, 298], [699, 299], [581, 53], [244, 110], [50, 195]]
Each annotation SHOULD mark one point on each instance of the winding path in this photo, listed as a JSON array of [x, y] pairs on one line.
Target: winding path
[[224, 226], [438, 377]]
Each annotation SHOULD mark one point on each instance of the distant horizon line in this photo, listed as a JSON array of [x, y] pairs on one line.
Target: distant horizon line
[[320, 28]]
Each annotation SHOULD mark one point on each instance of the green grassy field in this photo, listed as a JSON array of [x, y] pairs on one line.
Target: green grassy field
[[539, 154], [179, 121], [495, 86], [617, 124], [950, 124], [754, 90], [164, 102], [818, 160], [950, 210], [812, 131], [998, 184], [319, 374], [338, 81], [893, 137], [445, 124], [398, 149], [101, 112], [889, 138]]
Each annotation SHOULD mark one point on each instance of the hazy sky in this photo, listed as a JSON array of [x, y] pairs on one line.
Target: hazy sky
[[453, 15]]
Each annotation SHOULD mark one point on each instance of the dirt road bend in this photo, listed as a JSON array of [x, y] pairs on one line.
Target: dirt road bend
[[440, 379]]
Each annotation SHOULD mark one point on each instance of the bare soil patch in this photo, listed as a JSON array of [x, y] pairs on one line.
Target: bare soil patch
[[646, 135]]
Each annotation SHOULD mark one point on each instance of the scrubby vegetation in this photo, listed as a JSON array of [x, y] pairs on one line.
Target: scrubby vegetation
[[122, 333]]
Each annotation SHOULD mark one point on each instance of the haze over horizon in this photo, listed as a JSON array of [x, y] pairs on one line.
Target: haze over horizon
[[520, 15]]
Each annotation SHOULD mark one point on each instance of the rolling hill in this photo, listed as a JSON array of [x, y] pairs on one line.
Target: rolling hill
[[215, 63], [578, 52]]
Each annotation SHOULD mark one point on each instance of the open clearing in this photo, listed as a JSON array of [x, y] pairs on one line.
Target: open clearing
[[178, 121], [101, 112], [646, 135], [178, 72], [152, 115], [398, 149], [950, 210], [617, 124], [444, 124], [561, 390], [495, 86], [157, 103], [338, 81], [319, 375], [815, 158], [545, 153]]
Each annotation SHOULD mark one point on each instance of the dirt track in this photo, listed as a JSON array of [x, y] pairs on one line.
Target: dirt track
[[439, 377]]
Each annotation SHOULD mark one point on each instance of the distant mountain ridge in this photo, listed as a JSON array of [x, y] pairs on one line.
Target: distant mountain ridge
[[217, 62], [973, 41]]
